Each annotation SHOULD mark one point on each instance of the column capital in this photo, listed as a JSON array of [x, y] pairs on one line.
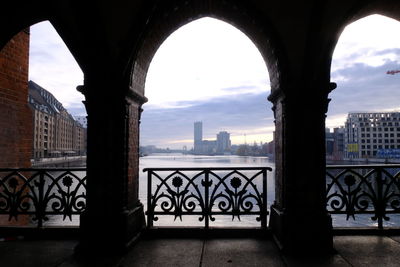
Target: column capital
[[133, 96]]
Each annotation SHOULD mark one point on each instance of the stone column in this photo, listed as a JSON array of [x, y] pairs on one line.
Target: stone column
[[114, 215], [299, 221]]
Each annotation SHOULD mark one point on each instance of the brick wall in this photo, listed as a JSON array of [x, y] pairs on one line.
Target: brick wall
[[15, 115]]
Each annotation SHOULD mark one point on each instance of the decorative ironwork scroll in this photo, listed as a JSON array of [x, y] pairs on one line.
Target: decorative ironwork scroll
[[364, 189], [42, 192], [207, 192]]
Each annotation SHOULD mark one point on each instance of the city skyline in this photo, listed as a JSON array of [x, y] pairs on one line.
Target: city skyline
[[367, 49]]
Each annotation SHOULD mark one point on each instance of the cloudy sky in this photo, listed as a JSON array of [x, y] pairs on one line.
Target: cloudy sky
[[209, 71]]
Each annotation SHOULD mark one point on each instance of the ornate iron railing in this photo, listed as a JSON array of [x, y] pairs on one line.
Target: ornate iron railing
[[207, 192], [203, 192], [364, 189], [42, 192]]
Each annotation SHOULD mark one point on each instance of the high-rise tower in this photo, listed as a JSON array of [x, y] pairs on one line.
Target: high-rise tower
[[198, 135], [223, 142]]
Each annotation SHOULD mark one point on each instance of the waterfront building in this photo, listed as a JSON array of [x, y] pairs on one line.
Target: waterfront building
[[223, 142], [370, 134], [43, 112], [329, 140], [338, 143], [55, 132], [82, 120], [210, 147], [334, 143], [198, 136]]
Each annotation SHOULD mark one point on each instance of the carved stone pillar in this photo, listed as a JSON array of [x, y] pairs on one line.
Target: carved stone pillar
[[114, 215], [299, 221]]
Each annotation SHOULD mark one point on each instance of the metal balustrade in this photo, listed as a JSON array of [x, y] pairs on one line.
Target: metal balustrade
[[42, 192], [204, 192], [207, 192], [364, 189]]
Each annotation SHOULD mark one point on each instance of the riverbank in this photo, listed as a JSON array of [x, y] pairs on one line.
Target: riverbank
[[75, 161]]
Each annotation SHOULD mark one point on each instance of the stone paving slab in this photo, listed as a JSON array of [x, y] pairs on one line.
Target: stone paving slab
[[164, 252], [395, 238], [241, 252], [43, 253], [355, 251], [317, 261], [368, 250]]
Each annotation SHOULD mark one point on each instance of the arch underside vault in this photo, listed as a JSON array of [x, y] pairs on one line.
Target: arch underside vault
[[114, 42]]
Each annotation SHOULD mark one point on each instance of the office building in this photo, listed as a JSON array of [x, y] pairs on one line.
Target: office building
[[223, 142], [372, 135]]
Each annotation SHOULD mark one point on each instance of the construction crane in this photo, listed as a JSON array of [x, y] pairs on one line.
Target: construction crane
[[392, 72]]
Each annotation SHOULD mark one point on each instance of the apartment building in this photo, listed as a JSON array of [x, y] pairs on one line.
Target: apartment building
[[372, 134], [55, 132]]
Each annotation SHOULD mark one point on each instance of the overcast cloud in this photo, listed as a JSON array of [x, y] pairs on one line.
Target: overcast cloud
[[210, 71]]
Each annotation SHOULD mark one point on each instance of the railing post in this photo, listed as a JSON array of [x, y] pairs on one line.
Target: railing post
[[380, 203], [150, 212], [206, 198], [264, 212], [40, 211]]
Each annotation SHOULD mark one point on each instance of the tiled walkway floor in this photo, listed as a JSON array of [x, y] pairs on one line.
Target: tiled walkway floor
[[352, 251]]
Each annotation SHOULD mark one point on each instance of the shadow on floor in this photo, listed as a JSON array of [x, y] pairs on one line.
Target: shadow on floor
[[351, 251]]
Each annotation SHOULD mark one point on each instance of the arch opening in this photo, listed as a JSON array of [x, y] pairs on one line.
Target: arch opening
[[364, 109], [206, 78], [39, 101]]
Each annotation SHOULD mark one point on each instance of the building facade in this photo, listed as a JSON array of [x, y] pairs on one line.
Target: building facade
[[338, 143], [210, 147], [370, 134], [82, 120], [55, 132], [334, 143], [223, 142], [198, 137]]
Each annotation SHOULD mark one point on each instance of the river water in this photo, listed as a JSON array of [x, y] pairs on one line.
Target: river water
[[179, 160]]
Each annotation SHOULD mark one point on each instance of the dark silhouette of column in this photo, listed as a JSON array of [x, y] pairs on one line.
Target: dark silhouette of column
[[114, 217], [299, 220]]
